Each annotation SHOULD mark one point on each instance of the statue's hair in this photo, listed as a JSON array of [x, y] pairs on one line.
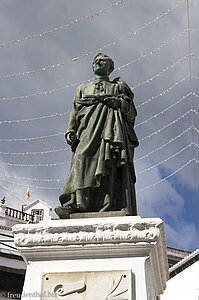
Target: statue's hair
[[104, 56]]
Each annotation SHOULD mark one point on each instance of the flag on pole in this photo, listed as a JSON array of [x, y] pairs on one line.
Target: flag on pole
[[27, 194]]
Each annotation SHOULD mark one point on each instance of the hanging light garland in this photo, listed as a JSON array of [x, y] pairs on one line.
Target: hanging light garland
[[46, 92], [33, 179], [62, 133], [32, 138], [35, 119], [166, 126], [169, 176], [165, 160], [63, 178], [42, 92], [137, 85], [36, 165], [142, 139], [195, 77], [163, 111], [194, 1], [30, 37], [75, 84], [36, 153], [164, 145], [164, 92], [31, 186], [140, 190], [130, 34]]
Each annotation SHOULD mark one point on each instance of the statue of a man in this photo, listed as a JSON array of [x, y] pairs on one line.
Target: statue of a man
[[100, 132]]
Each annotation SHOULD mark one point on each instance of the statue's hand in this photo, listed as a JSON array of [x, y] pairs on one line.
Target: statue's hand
[[71, 138], [112, 102]]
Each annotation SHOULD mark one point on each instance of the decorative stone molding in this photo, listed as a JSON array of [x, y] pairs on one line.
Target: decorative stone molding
[[88, 231], [97, 239]]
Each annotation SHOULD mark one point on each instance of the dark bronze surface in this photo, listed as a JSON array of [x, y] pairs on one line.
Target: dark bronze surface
[[101, 135]]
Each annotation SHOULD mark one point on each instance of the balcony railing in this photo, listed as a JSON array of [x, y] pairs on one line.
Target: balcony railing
[[17, 214]]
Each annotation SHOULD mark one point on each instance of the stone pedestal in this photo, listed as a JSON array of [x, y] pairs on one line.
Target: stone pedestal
[[121, 258]]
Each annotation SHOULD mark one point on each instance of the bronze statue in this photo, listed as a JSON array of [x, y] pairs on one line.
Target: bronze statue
[[101, 134]]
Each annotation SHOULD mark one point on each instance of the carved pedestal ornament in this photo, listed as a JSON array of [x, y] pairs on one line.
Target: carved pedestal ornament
[[106, 285], [120, 258]]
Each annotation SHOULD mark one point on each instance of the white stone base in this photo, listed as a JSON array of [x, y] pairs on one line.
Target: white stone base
[[121, 258]]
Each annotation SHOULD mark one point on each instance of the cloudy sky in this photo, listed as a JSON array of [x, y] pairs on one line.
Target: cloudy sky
[[46, 50]]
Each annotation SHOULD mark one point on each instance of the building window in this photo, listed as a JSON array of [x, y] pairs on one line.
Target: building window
[[39, 213]]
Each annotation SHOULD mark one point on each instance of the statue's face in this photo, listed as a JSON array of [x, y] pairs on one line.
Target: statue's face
[[101, 67]]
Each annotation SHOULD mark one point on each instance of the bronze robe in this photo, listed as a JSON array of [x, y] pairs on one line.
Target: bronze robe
[[102, 174]]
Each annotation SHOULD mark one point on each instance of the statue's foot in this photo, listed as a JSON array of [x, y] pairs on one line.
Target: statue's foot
[[63, 212], [82, 207]]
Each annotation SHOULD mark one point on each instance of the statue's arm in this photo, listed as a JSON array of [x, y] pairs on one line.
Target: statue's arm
[[72, 127], [71, 130], [127, 104], [72, 123]]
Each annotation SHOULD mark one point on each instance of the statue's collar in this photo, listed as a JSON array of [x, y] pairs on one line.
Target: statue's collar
[[101, 78]]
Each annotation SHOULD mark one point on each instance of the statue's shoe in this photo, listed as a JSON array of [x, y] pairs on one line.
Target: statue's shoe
[[63, 212], [82, 207]]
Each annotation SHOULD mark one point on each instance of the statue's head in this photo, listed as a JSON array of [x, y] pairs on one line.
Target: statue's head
[[103, 65]]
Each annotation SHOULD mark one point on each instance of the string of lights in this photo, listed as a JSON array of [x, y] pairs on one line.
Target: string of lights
[[150, 118], [140, 190], [12, 194], [160, 73], [153, 133], [62, 133], [167, 177], [164, 145], [33, 179], [197, 96], [46, 117], [31, 186], [59, 89], [75, 84], [195, 77], [191, 88], [32, 138], [167, 159], [154, 50], [60, 179], [35, 153], [42, 92], [60, 115], [130, 34], [164, 110], [196, 145], [195, 57], [73, 22], [194, 1], [196, 129], [195, 30], [68, 148], [36, 165], [166, 126], [63, 178], [164, 92], [35, 119]]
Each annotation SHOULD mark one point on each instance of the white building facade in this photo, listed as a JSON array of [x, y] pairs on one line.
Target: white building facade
[[12, 264], [184, 279]]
